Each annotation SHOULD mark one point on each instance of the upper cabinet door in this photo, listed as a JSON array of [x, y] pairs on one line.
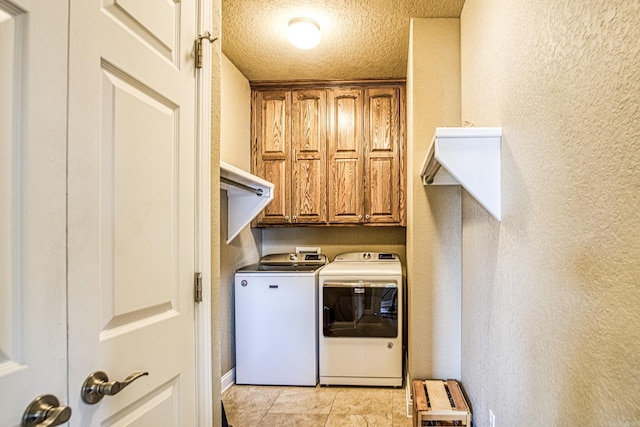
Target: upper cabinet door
[[383, 152], [309, 191], [345, 156], [272, 155]]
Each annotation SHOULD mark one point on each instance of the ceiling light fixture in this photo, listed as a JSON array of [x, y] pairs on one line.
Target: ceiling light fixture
[[304, 33]]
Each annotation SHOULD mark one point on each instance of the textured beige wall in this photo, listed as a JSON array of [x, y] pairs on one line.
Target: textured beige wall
[[235, 116], [235, 131], [243, 250], [551, 295], [433, 219], [335, 240]]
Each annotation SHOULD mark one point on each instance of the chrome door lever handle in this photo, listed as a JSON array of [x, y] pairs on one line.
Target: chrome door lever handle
[[45, 411], [97, 386]]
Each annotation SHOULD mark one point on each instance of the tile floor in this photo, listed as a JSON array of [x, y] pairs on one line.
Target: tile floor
[[333, 406]]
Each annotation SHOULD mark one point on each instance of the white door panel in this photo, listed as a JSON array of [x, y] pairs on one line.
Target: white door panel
[[156, 409], [138, 172], [155, 22], [132, 173], [33, 40]]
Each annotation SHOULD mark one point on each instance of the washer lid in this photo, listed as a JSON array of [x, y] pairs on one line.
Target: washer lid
[[278, 268], [288, 262]]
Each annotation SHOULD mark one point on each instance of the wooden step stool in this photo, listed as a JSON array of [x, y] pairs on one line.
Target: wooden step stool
[[440, 402]]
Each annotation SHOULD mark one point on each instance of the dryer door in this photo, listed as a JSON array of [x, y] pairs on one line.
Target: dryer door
[[362, 310]]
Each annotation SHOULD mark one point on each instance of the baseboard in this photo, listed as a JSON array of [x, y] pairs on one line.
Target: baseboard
[[408, 399], [228, 380]]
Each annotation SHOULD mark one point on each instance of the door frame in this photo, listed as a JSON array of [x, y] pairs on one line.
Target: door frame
[[203, 338]]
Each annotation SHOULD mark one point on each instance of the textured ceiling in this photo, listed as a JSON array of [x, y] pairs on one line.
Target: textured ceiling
[[361, 39]]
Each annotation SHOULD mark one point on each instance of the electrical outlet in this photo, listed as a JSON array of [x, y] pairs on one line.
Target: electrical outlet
[[492, 419]]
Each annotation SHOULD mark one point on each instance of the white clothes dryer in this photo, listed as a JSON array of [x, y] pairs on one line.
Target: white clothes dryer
[[361, 320]]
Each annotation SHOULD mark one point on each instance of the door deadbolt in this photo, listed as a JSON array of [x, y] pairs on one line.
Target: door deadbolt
[[97, 386]]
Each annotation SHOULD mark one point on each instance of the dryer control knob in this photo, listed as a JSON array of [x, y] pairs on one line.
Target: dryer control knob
[[389, 345], [243, 283]]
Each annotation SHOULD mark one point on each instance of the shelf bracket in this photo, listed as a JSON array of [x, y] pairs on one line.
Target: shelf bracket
[[469, 157], [247, 195]]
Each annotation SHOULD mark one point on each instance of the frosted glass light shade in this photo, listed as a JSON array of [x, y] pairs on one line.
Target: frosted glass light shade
[[304, 33]]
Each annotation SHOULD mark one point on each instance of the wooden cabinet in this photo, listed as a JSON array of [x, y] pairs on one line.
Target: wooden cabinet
[[346, 182], [309, 161], [383, 156], [366, 155], [272, 150], [289, 150], [334, 152]]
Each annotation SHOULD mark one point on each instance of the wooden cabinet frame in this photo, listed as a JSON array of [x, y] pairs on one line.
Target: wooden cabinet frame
[[335, 151]]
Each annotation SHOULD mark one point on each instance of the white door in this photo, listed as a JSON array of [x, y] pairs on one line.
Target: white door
[[131, 209], [33, 91]]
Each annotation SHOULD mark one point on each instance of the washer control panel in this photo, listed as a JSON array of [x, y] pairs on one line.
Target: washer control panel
[[366, 256]]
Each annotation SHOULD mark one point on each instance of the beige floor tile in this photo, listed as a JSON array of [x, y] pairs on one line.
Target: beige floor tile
[[293, 420], [252, 393], [363, 401], [250, 402], [333, 406], [244, 418], [347, 420], [301, 400], [402, 421]]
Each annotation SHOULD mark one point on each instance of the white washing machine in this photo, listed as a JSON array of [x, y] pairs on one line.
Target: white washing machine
[[361, 320], [276, 322]]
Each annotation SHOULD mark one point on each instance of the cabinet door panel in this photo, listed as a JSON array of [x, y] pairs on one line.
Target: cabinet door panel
[[274, 112], [309, 192], [344, 206], [382, 120], [309, 121], [346, 201], [382, 151], [382, 193], [275, 171], [346, 120]]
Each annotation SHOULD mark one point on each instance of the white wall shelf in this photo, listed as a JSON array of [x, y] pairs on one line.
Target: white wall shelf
[[469, 157], [247, 196]]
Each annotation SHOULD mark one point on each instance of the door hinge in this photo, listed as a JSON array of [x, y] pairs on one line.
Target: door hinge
[[199, 53], [198, 287]]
